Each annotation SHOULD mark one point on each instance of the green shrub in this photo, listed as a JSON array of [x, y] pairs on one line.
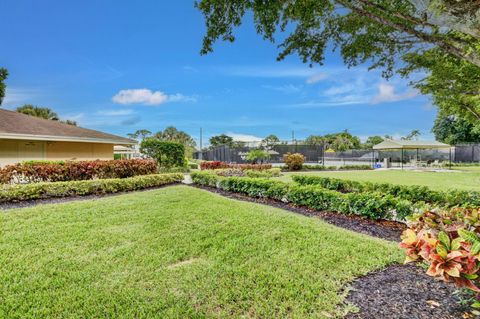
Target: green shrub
[[294, 162], [319, 167], [206, 178], [257, 155], [413, 193], [81, 188], [373, 205], [167, 154], [272, 172], [193, 165]]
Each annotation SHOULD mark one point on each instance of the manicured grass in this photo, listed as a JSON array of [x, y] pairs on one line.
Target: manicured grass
[[177, 252], [466, 179]]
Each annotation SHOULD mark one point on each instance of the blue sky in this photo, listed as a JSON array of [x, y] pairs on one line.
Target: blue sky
[[119, 66]]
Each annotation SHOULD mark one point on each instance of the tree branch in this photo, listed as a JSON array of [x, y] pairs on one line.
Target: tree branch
[[472, 58]]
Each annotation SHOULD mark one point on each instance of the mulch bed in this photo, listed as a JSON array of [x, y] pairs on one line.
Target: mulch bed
[[404, 292], [382, 228], [34, 202]]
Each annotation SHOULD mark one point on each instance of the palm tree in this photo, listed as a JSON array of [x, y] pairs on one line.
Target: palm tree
[[41, 112]]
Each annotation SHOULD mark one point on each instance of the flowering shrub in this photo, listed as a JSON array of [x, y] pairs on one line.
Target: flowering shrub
[[448, 242], [229, 172], [222, 165], [33, 172], [294, 162]]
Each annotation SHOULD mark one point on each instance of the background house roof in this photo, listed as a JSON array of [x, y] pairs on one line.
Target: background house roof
[[14, 125], [405, 144]]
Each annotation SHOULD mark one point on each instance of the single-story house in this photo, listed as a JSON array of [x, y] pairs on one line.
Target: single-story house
[[24, 137]]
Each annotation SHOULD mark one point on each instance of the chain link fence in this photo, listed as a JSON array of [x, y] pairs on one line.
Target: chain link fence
[[317, 154]]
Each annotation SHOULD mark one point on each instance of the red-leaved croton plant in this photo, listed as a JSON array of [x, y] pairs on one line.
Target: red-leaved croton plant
[[449, 242]]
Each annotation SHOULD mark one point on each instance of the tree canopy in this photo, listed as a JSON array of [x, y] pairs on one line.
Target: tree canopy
[[441, 37], [37, 111], [454, 130], [42, 112], [341, 141], [140, 134], [3, 86], [221, 140], [270, 141]]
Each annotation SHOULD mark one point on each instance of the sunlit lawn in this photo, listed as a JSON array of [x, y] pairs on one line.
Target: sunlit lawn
[[467, 178], [177, 252]]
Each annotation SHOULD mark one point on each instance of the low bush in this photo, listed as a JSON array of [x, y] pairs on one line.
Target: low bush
[[222, 165], [266, 173], [229, 172], [294, 162], [448, 242], [372, 205], [44, 171], [193, 165], [319, 167], [17, 193], [414, 193]]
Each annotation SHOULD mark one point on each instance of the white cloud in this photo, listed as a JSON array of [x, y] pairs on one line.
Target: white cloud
[[386, 93], [115, 112], [181, 98], [316, 78], [15, 96], [287, 88], [278, 71], [244, 137], [148, 97]]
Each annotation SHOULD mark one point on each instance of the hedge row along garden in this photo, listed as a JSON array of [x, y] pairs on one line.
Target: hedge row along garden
[[62, 171], [374, 205], [34, 191]]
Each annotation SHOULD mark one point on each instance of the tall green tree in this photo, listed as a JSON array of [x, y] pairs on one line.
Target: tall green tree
[[372, 141], [270, 141], [172, 134], [140, 134], [3, 86], [413, 135], [221, 140], [453, 130], [315, 140], [42, 112]]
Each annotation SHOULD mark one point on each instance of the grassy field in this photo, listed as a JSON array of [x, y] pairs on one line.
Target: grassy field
[[463, 178], [177, 252]]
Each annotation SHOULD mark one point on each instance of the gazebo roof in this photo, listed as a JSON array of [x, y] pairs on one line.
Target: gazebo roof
[[406, 144]]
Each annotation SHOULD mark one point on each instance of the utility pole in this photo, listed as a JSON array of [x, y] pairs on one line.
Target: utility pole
[[201, 146], [293, 136]]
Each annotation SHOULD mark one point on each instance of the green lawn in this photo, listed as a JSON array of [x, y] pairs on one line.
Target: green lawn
[[177, 252], [463, 178]]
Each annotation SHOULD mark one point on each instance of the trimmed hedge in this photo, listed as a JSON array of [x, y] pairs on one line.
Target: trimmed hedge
[[414, 193], [374, 205], [319, 167], [17, 193], [222, 165], [60, 171]]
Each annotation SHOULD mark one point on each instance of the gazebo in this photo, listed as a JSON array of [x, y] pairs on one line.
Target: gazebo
[[412, 145]]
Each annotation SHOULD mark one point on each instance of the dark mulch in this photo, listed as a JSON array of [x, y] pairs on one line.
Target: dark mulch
[[34, 202], [383, 229], [404, 292]]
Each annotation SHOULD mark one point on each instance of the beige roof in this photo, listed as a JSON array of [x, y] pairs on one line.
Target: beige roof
[[405, 144], [14, 125]]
